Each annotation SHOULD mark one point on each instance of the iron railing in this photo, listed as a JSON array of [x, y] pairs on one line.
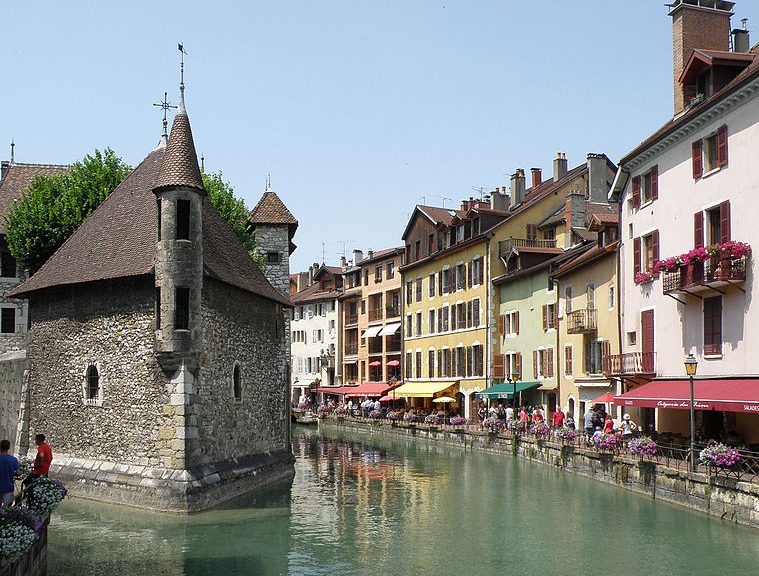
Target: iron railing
[[505, 246], [581, 321], [629, 364]]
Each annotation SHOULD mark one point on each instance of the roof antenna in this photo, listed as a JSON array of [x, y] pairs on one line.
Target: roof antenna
[[268, 183], [13, 152], [181, 79], [164, 105]]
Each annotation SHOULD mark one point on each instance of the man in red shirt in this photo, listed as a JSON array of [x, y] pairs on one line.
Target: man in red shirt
[[558, 419], [42, 462]]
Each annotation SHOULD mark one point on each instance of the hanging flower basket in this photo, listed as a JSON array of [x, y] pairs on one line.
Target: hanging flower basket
[[643, 446], [566, 435], [720, 456]]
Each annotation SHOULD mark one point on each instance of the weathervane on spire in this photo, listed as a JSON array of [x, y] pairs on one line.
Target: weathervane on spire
[[268, 182], [181, 77], [165, 105], [13, 150]]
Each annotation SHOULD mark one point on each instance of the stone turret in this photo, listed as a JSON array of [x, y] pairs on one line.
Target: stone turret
[[179, 192]]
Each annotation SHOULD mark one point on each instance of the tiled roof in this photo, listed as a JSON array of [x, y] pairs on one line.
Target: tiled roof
[[119, 240], [313, 293], [17, 180], [746, 75], [379, 254], [180, 162], [271, 210], [590, 254]]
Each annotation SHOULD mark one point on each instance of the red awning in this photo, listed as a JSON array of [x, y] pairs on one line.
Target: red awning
[[371, 389], [338, 390], [604, 399], [726, 395]]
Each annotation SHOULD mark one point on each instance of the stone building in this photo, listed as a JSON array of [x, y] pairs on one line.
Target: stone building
[[157, 364]]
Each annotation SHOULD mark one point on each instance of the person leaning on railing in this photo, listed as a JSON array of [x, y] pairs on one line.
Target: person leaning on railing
[[41, 462]]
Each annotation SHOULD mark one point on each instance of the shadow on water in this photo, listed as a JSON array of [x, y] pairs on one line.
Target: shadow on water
[[364, 504]]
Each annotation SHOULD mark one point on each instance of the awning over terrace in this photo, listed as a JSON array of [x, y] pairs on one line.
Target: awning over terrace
[[371, 332], [390, 329], [370, 389], [727, 395], [505, 390], [421, 389]]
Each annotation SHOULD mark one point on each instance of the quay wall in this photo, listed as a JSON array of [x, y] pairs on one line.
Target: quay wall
[[727, 498]]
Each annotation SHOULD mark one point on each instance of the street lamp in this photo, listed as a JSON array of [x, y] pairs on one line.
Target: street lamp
[[512, 378], [691, 364]]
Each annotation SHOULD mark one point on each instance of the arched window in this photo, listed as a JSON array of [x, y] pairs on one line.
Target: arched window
[[92, 385], [237, 384]]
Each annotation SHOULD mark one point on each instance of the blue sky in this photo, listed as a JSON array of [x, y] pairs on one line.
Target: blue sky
[[359, 110]]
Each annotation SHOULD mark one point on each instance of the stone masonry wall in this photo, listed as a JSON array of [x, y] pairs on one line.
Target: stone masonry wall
[[110, 325], [246, 330], [16, 340], [275, 239], [12, 366]]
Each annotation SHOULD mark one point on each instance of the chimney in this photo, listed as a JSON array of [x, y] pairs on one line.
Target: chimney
[[4, 165], [343, 263], [537, 177], [369, 254], [598, 186], [464, 206], [301, 281], [498, 201], [559, 167], [358, 255], [517, 188], [740, 38], [574, 214], [696, 24]]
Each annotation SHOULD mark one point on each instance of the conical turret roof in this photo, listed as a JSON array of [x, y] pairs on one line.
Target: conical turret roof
[[180, 162]]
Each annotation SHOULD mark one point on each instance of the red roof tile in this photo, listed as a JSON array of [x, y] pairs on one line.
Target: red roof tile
[[271, 210], [180, 162]]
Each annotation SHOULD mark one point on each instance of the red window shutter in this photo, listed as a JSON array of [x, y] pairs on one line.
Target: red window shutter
[[605, 350], [724, 221], [655, 182], [568, 360], [698, 230], [535, 363], [501, 325], [516, 322], [636, 192], [518, 365], [549, 361], [498, 366], [545, 317], [698, 160], [636, 256], [655, 246], [722, 145]]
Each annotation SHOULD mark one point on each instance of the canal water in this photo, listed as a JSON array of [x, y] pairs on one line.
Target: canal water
[[364, 504]]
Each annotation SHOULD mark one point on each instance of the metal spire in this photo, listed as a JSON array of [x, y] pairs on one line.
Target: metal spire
[[13, 152], [202, 163], [181, 109], [164, 105], [268, 183]]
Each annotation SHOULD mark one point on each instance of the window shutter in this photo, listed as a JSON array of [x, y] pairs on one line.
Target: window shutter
[[655, 182], [501, 325], [605, 351], [516, 322], [556, 316], [636, 192], [698, 230], [636, 256], [549, 361], [722, 146], [468, 360], [518, 365], [535, 363], [698, 160], [469, 275], [440, 282], [498, 366], [724, 221], [545, 317], [568, 360], [655, 246]]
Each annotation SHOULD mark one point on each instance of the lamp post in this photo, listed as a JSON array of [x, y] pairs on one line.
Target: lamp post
[[513, 380], [691, 364]]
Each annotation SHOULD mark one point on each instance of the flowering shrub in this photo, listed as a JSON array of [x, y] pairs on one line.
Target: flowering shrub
[[729, 249], [643, 446], [643, 277], [720, 456], [15, 539], [302, 406], [458, 421], [494, 424], [566, 434], [540, 430], [409, 417], [376, 414], [433, 419], [605, 441], [394, 416], [45, 495]]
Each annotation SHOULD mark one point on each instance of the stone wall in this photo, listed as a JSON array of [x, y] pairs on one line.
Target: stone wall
[[12, 366], [16, 340], [109, 325], [275, 238], [726, 498]]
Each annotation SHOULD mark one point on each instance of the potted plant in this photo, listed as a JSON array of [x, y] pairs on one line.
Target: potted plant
[[643, 446], [566, 435], [719, 456]]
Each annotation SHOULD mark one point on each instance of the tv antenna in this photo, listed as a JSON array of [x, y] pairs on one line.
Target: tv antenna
[[344, 244], [480, 189]]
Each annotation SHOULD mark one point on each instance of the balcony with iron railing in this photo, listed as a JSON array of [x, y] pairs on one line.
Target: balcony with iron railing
[[506, 246], [351, 319], [375, 315], [630, 364], [375, 345], [394, 311], [696, 277], [393, 343], [581, 321], [351, 348]]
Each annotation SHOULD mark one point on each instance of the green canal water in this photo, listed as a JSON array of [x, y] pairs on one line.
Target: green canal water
[[361, 504]]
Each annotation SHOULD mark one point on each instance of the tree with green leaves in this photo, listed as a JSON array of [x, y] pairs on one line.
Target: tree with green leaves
[[54, 206], [232, 209]]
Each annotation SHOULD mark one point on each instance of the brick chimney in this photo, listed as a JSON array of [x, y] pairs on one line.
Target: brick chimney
[[696, 24], [537, 176], [574, 214], [559, 167], [517, 188]]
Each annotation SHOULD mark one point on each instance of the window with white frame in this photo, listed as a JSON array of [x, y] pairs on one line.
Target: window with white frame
[[611, 297], [446, 313], [418, 323], [409, 325], [511, 323], [431, 321]]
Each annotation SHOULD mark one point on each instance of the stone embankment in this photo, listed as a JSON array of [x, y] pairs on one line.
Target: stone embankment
[[717, 495]]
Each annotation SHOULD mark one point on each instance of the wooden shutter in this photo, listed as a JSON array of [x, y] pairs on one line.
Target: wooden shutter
[[515, 320], [654, 247], [518, 365], [556, 315], [698, 160], [502, 324], [722, 145], [545, 317], [636, 192], [439, 363], [655, 182], [498, 366], [605, 351], [698, 230], [549, 362], [724, 221], [469, 274], [469, 370], [636, 256], [535, 363], [568, 360]]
